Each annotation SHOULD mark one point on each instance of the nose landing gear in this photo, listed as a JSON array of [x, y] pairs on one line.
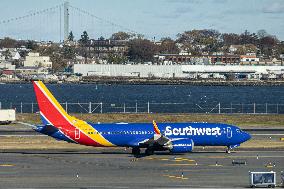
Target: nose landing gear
[[228, 151]]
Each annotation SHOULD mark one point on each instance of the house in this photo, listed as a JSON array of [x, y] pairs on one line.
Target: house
[[271, 61], [249, 59], [35, 60], [225, 59], [9, 53], [4, 64], [234, 48], [32, 71], [15, 55], [103, 47], [181, 58]]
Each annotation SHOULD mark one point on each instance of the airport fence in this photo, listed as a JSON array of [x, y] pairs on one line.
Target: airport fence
[[154, 107]]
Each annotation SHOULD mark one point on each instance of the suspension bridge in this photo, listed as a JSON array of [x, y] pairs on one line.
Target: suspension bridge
[[55, 23]]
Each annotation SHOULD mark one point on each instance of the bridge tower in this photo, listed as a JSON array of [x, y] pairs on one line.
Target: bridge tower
[[66, 20]]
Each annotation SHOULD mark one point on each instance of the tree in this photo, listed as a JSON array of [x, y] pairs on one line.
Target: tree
[[58, 63], [248, 38], [68, 52], [31, 45], [84, 41], [116, 59], [267, 45], [230, 39], [8, 43], [141, 50], [7, 54], [121, 36], [138, 36], [200, 40], [168, 46], [244, 49], [48, 51], [71, 36], [280, 48], [262, 33]]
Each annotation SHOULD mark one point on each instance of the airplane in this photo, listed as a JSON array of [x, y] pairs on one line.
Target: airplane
[[172, 137]]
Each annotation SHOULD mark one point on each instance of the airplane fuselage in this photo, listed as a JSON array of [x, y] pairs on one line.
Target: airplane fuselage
[[129, 134]]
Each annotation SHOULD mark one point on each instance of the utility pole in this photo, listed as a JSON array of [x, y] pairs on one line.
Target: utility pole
[[66, 20]]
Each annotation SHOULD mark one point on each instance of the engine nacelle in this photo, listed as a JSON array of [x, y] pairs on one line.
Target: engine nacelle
[[181, 146]]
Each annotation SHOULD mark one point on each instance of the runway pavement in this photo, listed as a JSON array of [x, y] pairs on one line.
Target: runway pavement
[[116, 168], [60, 165]]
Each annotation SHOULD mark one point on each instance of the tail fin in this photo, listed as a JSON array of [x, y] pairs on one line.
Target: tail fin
[[51, 111], [53, 114]]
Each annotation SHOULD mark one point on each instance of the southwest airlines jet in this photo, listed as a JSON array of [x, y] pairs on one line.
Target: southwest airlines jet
[[174, 137]]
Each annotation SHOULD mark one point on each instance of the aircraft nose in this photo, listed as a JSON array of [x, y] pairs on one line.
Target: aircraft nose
[[247, 136]]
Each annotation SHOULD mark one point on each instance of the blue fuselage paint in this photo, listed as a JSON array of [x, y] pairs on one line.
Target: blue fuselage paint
[[202, 134], [132, 134]]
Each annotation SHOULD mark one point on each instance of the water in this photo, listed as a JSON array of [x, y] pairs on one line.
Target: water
[[174, 98]]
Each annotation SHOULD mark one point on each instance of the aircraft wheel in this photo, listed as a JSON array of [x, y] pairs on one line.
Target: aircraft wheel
[[136, 151], [149, 151], [228, 151]]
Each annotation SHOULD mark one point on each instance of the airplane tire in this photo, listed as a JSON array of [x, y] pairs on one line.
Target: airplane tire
[[149, 151], [136, 151]]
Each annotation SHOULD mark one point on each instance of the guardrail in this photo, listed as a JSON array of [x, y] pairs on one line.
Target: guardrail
[[155, 107]]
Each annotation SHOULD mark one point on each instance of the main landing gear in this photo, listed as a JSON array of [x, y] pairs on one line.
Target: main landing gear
[[136, 151], [149, 151]]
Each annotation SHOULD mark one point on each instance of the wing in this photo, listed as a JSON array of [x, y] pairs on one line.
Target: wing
[[27, 124], [158, 138]]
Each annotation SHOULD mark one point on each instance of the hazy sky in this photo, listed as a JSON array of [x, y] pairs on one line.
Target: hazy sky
[[153, 18]]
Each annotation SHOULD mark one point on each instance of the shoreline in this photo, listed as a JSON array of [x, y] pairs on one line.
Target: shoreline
[[147, 81]]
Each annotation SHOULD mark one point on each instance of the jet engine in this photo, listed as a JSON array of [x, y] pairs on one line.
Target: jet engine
[[181, 146]]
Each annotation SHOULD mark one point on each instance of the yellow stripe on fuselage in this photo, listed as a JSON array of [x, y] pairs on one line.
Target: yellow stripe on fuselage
[[82, 125]]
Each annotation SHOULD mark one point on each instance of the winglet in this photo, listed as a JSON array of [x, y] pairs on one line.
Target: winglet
[[156, 129]]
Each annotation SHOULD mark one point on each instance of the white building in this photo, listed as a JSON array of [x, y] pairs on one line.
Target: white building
[[14, 54], [248, 58], [32, 71], [35, 60], [234, 48], [170, 71], [6, 65]]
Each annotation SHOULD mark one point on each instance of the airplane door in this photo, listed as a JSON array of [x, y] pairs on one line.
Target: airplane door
[[229, 132], [77, 133]]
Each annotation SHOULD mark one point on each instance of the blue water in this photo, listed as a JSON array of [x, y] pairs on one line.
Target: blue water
[[113, 97]]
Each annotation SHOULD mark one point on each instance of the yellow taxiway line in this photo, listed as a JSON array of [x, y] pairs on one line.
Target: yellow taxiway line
[[176, 177], [6, 165]]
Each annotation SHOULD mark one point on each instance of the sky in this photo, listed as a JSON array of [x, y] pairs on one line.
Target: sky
[[152, 18]]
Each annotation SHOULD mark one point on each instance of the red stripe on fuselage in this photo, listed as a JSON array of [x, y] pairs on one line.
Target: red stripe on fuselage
[[49, 110]]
